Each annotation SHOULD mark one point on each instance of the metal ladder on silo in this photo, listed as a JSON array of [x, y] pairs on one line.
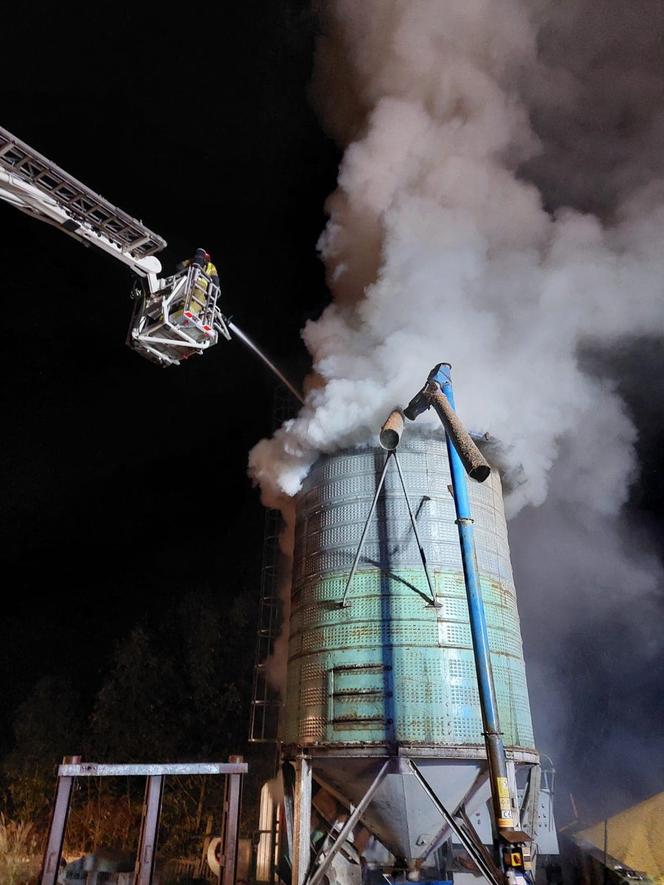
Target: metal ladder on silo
[[265, 702]]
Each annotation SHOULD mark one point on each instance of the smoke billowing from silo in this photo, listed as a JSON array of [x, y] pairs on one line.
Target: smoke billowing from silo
[[500, 205]]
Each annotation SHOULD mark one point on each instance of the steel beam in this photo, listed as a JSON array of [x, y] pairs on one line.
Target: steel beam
[[231, 825], [147, 842], [57, 826], [301, 847], [96, 769]]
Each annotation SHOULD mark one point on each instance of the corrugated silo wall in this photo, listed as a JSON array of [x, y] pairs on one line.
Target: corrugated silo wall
[[389, 667]]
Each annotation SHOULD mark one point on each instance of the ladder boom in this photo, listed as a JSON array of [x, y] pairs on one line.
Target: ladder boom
[[174, 317], [43, 190]]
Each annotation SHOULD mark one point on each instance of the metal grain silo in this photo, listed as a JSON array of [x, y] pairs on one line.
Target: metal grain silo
[[390, 676]]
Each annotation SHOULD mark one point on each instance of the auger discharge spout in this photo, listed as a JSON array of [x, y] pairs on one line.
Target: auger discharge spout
[[433, 394]]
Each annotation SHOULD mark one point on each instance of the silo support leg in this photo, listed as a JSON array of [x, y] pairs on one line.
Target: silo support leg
[[511, 777], [301, 847], [288, 777], [530, 802], [348, 827]]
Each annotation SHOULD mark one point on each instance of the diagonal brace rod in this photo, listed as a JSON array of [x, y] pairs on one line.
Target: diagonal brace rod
[[417, 534], [353, 818], [469, 803], [486, 866], [360, 546]]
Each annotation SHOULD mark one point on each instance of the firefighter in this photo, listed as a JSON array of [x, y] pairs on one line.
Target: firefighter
[[203, 260], [196, 299]]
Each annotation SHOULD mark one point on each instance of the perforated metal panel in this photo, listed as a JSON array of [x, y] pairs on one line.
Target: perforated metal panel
[[390, 667]]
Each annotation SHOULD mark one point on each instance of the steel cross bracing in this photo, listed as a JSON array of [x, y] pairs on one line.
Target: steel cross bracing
[[354, 817], [312, 872], [463, 831], [38, 187]]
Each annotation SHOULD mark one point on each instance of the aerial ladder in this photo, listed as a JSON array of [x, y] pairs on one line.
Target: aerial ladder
[[175, 317]]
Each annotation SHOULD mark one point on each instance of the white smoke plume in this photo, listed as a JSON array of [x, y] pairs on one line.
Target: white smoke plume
[[436, 250], [500, 205]]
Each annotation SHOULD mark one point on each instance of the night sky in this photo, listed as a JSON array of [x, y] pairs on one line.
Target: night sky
[[125, 484]]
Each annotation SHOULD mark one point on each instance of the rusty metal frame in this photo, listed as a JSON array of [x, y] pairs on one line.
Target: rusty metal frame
[[72, 768]]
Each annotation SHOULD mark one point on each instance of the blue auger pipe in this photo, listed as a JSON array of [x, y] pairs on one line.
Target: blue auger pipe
[[441, 378]]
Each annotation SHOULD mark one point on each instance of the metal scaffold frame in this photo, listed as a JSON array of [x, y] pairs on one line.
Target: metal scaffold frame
[[146, 854]]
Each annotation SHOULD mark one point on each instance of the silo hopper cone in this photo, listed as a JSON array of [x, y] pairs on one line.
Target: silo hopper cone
[[400, 814]]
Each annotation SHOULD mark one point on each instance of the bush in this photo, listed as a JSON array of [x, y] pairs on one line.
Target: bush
[[19, 861]]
